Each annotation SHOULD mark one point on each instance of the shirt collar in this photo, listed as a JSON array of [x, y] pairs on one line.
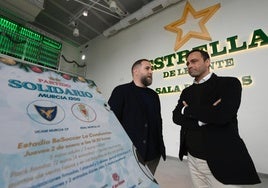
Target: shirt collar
[[204, 79]]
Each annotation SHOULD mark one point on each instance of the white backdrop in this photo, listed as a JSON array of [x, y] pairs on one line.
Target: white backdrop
[[111, 59]]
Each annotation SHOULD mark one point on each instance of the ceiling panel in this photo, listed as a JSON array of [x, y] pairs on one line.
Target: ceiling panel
[[57, 17]]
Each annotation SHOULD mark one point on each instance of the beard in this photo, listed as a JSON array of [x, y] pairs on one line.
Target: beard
[[146, 80]]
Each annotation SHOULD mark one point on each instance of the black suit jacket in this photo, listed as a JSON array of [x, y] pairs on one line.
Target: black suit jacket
[[226, 153], [129, 108]]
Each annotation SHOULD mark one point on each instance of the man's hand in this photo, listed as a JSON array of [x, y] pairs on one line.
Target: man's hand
[[214, 104], [184, 103], [217, 102]]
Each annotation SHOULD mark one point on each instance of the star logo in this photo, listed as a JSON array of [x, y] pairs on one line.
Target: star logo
[[203, 16]]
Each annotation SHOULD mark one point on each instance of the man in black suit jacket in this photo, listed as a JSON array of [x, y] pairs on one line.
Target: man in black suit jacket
[[137, 107], [207, 114]]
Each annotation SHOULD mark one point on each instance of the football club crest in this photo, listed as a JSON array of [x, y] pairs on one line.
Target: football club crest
[[84, 112], [48, 113], [45, 112]]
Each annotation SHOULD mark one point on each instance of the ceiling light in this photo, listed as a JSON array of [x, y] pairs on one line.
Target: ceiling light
[[83, 57], [85, 12], [76, 32], [116, 9], [73, 23], [113, 6]]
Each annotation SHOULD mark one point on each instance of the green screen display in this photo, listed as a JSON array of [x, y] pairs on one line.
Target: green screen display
[[23, 43]]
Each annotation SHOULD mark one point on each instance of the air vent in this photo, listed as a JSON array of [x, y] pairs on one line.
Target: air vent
[[157, 8], [132, 21], [109, 32], [113, 31]]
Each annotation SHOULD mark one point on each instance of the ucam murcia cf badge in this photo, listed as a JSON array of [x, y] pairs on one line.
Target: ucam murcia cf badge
[[45, 112], [48, 113]]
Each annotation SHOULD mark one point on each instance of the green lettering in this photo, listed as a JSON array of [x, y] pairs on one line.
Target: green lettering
[[164, 90], [158, 63], [246, 80], [215, 52], [219, 63], [182, 71], [172, 73], [229, 62], [234, 48], [182, 57], [258, 36], [165, 74], [158, 90], [177, 89], [169, 59]]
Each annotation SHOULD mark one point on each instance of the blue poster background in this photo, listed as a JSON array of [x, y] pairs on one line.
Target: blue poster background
[[57, 130]]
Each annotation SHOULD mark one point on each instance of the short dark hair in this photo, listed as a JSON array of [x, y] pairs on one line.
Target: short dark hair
[[138, 62], [203, 53]]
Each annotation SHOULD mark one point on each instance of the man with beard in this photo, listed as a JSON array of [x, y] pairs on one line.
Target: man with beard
[[137, 107]]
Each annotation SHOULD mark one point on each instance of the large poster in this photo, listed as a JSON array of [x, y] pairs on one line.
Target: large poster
[[58, 131]]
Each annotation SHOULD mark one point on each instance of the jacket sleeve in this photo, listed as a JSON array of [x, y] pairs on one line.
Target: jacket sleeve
[[116, 102], [162, 144], [230, 94], [178, 117]]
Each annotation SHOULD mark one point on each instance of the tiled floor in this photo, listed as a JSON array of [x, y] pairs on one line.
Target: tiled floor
[[173, 173]]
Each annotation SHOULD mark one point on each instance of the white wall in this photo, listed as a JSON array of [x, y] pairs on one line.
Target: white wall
[[71, 53], [111, 59]]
